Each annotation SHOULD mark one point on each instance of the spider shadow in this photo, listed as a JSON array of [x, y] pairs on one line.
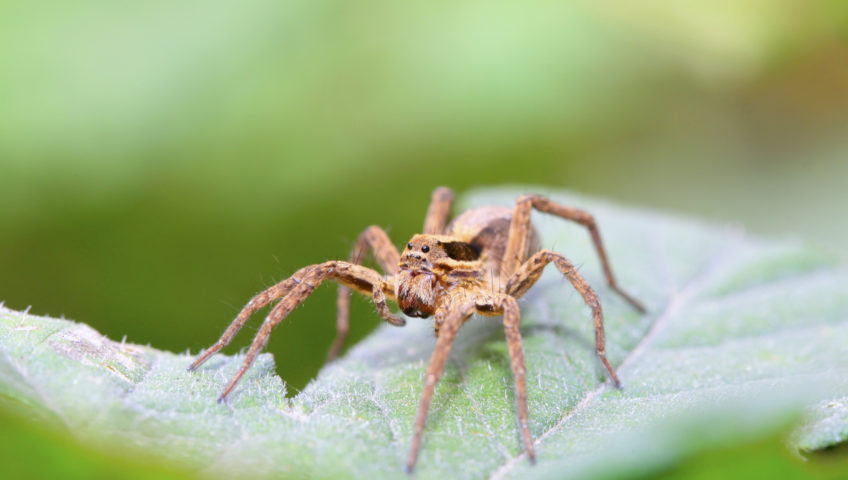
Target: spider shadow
[[563, 325], [391, 347], [547, 321]]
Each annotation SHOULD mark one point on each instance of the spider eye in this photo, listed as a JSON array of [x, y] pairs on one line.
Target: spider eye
[[425, 249], [409, 246]]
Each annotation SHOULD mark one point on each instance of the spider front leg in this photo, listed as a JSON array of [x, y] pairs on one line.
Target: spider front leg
[[293, 291], [508, 306], [450, 324], [377, 241], [512, 324], [258, 302], [519, 233], [529, 273]]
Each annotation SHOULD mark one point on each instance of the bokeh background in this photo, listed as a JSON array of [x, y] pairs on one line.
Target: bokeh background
[[162, 161]]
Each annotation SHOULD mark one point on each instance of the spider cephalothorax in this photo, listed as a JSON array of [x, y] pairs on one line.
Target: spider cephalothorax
[[481, 262], [432, 270]]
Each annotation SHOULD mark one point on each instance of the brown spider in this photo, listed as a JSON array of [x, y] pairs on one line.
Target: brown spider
[[449, 272]]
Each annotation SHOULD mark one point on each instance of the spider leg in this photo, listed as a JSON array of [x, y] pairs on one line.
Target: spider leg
[[438, 212], [519, 229], [529, 273], [295, 290], [259, 301], [387, 256], [447, 333], [508, 306]]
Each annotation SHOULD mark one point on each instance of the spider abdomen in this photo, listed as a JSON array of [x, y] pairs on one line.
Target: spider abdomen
[[487, 230]]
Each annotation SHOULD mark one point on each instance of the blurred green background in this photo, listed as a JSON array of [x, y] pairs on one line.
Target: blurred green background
[[161, 162]]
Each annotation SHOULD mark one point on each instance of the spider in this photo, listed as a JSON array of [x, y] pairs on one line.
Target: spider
[[481, 262]]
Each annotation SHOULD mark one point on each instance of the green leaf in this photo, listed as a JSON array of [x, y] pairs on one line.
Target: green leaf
[[741, 334]]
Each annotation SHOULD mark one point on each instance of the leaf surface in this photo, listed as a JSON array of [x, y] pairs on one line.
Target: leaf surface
[[741, 334]]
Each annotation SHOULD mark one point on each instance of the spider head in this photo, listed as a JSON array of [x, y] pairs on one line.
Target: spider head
[[424, 260], [427, 253], [416, 287], [419, 253]]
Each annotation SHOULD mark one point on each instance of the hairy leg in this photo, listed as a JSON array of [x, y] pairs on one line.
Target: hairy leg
[[447, 333], [508, 306], [293, 291], [439, 211], [529, 273], [258, 302], [375, 240], [519, 229]]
